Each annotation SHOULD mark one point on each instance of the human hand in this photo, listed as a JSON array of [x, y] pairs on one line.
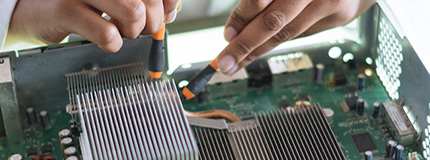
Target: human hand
[[257, 26], [51, 21]]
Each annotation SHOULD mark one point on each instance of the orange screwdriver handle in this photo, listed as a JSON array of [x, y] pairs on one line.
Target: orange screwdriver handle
[[156, 57], [199, 81]]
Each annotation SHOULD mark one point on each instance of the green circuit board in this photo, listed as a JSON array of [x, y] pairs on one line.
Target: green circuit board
[[344, 124], [252, 100], [36, 136]]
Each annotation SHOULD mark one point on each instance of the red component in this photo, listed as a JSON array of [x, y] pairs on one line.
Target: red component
[[36, 158], [48, 158]]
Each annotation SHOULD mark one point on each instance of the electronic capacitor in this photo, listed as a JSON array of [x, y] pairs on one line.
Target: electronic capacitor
[[360, 82], [399, 152], [328, 113], [31, 115], [72, 158], [44, 117], [360, 106], [390, 149], [70, 151], [319, 72], [375, 109], [368, 155], [65, 133], [16, 157], [66, 142]]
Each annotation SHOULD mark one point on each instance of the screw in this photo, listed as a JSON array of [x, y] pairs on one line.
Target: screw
[[1, 61]]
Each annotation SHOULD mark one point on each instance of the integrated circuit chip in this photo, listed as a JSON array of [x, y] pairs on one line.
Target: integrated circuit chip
[[303, 97], [351, 102], [283, 104], [31, 151], [340, 79], [46, 148], [364, 142], [350, 90]]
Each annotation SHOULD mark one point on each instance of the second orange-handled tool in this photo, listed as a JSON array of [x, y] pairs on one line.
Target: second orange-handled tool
[[200, 80], [156, 57]]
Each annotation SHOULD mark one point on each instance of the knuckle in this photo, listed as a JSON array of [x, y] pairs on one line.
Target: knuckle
[[251, 57], [259, 4], [107, 35], [243, 48], [152, 1], [237, 18], [171, 5], [151, 29], [135, 11], [130, 33], [283, 35], [274, 20]]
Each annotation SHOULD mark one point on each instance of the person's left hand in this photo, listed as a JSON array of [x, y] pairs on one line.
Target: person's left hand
[[49, 22]]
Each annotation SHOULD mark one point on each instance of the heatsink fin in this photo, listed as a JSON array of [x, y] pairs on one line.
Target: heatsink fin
[[298, 133], [124, 117]]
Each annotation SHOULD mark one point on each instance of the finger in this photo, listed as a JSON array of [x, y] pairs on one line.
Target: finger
[[154, 16], [96, 29], [242, 15], [170, 10], [263, 27], [295, 28], [130, 15]]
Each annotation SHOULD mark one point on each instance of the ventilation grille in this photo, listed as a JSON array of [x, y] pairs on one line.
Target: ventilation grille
[[124, 117], [297, 133], [389, 60]]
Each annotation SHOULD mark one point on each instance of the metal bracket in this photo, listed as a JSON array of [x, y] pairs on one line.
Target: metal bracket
[[8, 104], [242, 125], [208, 123]]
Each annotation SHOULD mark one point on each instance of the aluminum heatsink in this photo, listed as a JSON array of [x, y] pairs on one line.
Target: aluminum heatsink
[[299, 133], [124, 117]]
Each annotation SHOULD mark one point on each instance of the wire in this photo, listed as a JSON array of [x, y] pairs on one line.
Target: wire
[[214, 114]]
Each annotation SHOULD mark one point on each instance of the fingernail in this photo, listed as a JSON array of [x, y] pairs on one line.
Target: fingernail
[[179, 8], [171, 16], [232, 70], [225, 63], [230, 33]]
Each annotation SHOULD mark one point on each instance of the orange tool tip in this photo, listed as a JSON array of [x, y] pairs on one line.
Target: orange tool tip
[[187, 93], [155, 75], [160, 34], [214, 65]]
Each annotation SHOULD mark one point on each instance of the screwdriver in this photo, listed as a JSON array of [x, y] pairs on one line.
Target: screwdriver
[[200, 80], [156, 56]]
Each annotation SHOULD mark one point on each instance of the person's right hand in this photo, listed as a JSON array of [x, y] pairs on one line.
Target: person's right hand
[[257, 26], [51, 21]]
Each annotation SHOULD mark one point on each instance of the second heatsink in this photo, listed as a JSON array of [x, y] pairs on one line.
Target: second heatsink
[[299, 133]]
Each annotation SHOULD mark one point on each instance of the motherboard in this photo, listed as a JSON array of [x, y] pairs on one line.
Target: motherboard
[[292, 109]]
